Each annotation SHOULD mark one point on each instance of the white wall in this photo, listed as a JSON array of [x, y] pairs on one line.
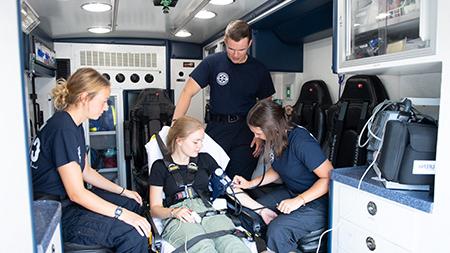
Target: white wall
[[317, 59], [15, 215], [281, 81]]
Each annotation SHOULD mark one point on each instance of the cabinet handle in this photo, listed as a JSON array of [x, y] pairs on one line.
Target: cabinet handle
[[372, 208], [370, 242]]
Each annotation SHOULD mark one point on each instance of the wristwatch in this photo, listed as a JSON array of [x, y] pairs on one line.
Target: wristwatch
[[118, 212]]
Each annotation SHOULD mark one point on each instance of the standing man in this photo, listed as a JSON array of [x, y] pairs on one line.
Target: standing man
[[236, 82]]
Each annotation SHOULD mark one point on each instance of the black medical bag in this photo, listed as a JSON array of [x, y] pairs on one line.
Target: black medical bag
[[403, 144]]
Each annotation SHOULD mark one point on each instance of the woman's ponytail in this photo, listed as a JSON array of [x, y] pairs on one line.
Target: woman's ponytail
[[59, 94]]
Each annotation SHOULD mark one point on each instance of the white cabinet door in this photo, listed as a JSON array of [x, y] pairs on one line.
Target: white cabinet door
[[360, 217], [385, 33], [394, 221]]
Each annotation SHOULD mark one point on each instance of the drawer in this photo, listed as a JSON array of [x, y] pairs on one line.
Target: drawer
[[398, 223], [351, 238]]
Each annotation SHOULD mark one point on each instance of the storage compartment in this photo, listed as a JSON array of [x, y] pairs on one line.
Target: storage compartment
[[374, 31], [353, 239], [378, 215]]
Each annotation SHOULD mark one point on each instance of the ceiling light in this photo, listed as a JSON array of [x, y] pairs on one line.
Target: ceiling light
[[99, 29], [382, 16], [205, 14], [96, 7], [221, 2], [183, 33]]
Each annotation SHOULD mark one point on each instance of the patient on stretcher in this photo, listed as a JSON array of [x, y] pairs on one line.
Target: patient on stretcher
[[183, 176]]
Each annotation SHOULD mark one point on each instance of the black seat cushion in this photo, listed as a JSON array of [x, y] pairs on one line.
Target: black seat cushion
[[310, 242], [80, 248]]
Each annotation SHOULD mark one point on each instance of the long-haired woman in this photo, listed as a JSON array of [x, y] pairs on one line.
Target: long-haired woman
[[296, 158]]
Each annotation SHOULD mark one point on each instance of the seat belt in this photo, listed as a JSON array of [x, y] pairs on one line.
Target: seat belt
[[260, 244], [298, 112], [312, 116], [361, 123], [195, 240], [198, 238], [337, 132]]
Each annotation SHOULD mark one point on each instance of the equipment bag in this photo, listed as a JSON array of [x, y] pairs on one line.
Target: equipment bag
[[406, 147], [401, 143]]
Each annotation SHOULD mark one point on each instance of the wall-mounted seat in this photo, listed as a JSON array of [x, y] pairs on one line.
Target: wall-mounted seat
[[347, 117], [153, 110], [309, 110]]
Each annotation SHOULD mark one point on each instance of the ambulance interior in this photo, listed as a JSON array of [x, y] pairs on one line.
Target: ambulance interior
[[141, 44]]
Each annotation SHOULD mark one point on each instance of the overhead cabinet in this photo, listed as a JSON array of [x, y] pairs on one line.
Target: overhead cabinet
[[383, 33], [275, 54]]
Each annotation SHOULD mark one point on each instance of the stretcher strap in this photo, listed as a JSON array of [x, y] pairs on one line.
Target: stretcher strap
[[198, 238]]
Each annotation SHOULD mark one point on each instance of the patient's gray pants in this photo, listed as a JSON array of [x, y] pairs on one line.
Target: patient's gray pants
[[177, 233]]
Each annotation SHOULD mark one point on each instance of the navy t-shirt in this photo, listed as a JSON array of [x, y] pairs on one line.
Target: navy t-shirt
[[160, 175], [234, 88], [297, 162], [59, 142]]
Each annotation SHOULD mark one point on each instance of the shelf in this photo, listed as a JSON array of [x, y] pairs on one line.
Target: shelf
[[102, 133], [403, 20]]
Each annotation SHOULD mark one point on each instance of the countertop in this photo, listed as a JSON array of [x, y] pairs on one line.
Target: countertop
[[420, 200], [47, 216]]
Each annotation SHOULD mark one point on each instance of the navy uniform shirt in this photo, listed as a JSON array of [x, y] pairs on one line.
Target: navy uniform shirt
[[297, 162], [234, 88], [160, 175], [59, 142]]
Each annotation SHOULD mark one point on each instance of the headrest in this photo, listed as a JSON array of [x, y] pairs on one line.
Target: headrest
[[315, 91], [209, 146], [367, 88]]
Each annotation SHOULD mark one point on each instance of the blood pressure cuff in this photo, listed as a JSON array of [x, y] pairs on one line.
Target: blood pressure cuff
[[403, 144], [218, 186]]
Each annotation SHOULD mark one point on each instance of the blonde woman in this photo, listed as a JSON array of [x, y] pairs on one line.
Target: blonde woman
[[103, 216]]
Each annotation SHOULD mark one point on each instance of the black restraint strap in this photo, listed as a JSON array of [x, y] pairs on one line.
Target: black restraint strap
[[198, 238], [339, 125], [175, 172], [361, 123], [173, 168], [162, 147], [260, 244], [299, 111]]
